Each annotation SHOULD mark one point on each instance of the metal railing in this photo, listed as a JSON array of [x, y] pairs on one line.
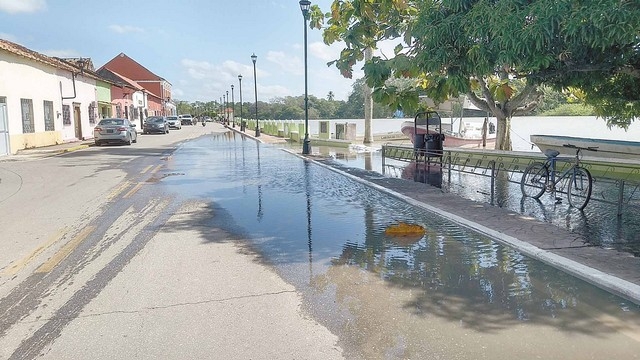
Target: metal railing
[[616, 184]]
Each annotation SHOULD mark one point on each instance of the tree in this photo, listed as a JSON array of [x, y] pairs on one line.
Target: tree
[[331, 96], [480, 47]]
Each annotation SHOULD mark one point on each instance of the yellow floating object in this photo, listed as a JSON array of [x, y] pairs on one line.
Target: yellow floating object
[[404, 229]]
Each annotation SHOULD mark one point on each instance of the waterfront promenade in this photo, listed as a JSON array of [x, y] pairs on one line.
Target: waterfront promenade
[[614, 271]]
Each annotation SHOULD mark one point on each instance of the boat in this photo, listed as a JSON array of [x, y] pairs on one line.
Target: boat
[[601, 148], [469, 134]]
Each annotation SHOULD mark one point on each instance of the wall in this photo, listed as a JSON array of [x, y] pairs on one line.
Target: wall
[[86, 93], [18, 78]]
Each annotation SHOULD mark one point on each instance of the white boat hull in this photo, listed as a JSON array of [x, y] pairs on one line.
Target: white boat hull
[[450, 140], [603, 148]]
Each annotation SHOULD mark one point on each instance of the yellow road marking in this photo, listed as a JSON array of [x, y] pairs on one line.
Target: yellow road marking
[[157, 168], [133, 190], [146, 169], [19, 265], [118, 189], [65, 251]]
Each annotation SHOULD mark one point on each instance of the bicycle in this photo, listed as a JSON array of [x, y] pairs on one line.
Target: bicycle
[[541, 176]]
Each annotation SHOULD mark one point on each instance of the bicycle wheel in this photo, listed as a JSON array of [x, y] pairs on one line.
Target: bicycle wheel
[[534, 180], [579, 191]]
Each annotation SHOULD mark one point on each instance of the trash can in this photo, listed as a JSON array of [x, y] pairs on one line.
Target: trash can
[[433, 144], [418, 142]]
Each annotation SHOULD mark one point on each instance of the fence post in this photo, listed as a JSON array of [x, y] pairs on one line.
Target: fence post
[[493, 179], [620, 198], [383, 155]]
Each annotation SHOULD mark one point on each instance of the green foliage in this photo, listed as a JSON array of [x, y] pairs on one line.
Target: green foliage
[[569, 110], [449, 45]]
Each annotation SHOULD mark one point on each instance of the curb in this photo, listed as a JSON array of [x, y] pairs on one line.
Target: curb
[[79, 147]]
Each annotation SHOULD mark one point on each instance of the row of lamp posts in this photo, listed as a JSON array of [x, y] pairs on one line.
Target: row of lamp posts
[[306, 144]]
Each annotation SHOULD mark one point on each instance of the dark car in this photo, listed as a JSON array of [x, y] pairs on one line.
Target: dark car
[[155, 124]]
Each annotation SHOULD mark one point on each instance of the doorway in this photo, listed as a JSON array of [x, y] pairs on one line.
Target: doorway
[[76, 120], [4, 127]]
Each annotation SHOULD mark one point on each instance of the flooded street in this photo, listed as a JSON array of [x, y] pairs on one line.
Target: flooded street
[[450, 294]]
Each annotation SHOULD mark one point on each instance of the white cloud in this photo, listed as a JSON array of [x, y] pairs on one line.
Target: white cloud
[[325, 52], [290, 64], [123, 29], [61, 53], [18, 6]]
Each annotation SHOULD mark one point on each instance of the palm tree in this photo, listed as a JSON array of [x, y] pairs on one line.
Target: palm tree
[[330, 96]]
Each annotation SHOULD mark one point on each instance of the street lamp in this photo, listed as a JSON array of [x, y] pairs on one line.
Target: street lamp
[[224, 111], [306, 144], [255, 82], [242, 126], [233, 107], [226, 107]]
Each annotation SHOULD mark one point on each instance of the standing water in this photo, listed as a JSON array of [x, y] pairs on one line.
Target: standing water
[[448, 294]]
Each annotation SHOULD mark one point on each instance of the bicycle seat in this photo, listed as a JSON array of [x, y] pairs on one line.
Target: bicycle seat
[[550, 153]]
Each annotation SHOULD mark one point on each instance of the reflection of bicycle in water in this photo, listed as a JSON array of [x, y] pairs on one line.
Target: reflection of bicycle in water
[[543, 176]]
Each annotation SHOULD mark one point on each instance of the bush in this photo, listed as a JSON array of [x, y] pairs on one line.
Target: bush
[[570, 110]]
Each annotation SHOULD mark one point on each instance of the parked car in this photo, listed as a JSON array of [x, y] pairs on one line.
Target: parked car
[[174, 122], [114, 130], [187, 120], [156, 124]]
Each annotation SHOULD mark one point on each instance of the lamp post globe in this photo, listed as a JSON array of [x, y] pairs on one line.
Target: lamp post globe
[[242, 124], [255, 85], [306, 143]]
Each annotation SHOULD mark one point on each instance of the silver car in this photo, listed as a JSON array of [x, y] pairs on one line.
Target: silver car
[[115, 130], [174, 122]]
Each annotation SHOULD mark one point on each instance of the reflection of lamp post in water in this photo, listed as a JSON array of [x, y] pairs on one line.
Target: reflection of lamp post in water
[[259, 185], [307, 183]]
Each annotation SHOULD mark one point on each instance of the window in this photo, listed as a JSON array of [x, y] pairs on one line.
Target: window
[[92, 113], [66, 114], [49, 124], [27, 116]]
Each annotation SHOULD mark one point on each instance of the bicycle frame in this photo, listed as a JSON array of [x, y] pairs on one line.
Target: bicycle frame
[[551, 166]]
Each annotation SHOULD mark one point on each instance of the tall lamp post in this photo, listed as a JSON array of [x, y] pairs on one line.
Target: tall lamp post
[[242, 126], [226, 107], [233, 107], [224, 110], [255, 84], [306, 144]]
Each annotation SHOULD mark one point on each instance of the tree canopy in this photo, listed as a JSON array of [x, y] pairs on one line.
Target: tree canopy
[[480, 47]]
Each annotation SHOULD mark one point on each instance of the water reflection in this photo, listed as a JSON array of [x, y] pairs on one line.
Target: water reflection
[[325, 234]]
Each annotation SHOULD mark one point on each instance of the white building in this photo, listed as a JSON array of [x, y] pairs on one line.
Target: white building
[[43, 100]]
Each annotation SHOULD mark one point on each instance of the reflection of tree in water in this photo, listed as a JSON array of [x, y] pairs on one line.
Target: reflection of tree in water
[[472, 279]]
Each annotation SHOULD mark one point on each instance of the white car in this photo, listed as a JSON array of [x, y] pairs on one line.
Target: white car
[[174, 122], [186, 120]]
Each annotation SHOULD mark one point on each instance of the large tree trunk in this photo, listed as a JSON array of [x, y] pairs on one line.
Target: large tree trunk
[[503, 132], [368, 103]]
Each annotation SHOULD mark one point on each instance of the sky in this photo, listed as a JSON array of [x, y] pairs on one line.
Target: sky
[[199, 46]]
